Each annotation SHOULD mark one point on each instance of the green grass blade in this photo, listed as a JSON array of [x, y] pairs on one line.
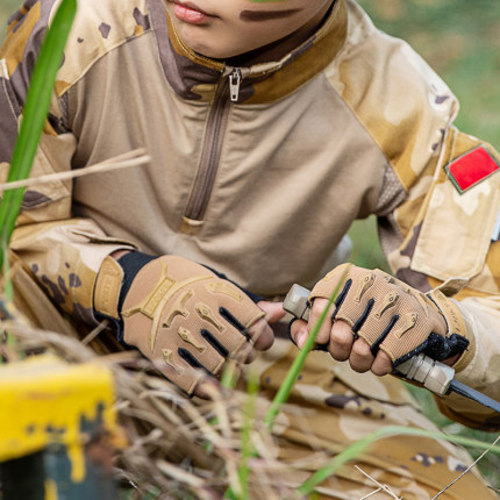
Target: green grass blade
[[294, 372], [247, 450], [229, 376], [298, 363], [34, 116], [356, 449]]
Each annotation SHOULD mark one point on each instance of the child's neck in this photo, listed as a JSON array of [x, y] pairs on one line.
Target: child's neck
[[278, 49]]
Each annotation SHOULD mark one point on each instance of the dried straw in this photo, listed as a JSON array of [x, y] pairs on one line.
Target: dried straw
[[135, 158], [177, 447]]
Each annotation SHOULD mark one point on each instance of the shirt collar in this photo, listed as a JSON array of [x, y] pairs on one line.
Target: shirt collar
[[195, 77]]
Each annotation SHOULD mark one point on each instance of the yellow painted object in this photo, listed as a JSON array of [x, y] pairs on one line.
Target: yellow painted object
[[44, 400]]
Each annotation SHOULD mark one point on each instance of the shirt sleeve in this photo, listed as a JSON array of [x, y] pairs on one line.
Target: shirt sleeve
[[62, 253], [439, 203], [448, 233]]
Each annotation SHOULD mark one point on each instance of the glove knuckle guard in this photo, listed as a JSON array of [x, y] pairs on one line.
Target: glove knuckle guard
[[390, 315], [185, 319]]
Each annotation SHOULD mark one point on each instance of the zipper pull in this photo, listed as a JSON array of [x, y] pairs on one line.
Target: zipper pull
[[234, 84]]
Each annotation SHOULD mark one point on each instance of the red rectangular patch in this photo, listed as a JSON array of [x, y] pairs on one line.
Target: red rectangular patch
[[471, 168]]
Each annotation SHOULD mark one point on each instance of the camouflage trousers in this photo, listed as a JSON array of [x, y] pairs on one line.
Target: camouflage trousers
[[332, 406]]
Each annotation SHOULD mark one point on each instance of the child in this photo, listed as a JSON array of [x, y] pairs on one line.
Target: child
[[271, 127]]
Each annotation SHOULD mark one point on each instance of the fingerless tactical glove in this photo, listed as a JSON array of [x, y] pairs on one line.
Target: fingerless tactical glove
[[179, 314], [392, 316]]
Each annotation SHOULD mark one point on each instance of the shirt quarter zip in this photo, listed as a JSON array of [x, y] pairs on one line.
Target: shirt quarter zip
[[227, 92]]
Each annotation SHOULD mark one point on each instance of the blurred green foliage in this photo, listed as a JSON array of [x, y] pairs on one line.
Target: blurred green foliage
[[459, 39], [7, 7]]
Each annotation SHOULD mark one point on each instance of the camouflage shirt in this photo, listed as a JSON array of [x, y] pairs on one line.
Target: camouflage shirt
[[260, 179]]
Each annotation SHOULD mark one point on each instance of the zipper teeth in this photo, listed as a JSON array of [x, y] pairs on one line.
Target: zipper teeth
[[227, 91], [207, 168]]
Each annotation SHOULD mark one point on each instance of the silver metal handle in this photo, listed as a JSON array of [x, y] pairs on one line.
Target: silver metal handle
[[432, 374]]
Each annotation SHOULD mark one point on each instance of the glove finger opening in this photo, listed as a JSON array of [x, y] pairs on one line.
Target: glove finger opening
[[341, 297], [215, 343], [374, 348]]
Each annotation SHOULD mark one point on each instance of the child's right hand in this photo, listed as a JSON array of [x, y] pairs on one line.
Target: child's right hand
[[189, 322]]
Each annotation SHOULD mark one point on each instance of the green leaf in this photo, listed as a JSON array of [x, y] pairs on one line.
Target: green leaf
[[298, 363], [247, 450], [356, 449], [34, 116]]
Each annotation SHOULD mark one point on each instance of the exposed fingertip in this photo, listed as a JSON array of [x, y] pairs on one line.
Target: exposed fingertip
[[274, 311], [380, 371], [358, 368], [250, 356], [382, 365], [267, 339], [262, 335], [301, 339]]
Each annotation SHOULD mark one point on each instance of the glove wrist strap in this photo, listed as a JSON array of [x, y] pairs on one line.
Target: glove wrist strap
[[107, 288], [114, 280]]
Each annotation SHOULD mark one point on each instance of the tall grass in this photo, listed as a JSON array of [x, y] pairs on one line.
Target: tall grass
[[7, 7], [34, 117]]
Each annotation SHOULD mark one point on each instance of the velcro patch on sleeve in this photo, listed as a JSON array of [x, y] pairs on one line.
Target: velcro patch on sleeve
[[471, 168]]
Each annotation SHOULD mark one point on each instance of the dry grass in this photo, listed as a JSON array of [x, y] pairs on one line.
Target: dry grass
[[134, 158], [177, 447]]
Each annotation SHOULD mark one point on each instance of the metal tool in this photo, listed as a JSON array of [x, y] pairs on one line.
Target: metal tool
[[433, 375]]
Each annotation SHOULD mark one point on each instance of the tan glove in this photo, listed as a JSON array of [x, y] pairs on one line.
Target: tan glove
[[182, 316], [392, 316]]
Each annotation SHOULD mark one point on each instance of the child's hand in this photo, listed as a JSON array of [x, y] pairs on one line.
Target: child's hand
[[378, 321], [187, 320]]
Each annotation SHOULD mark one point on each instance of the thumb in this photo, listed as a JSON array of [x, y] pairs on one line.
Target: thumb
[[274, 310]]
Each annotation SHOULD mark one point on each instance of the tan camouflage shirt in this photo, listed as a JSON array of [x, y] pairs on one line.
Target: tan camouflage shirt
[[259, 179]]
